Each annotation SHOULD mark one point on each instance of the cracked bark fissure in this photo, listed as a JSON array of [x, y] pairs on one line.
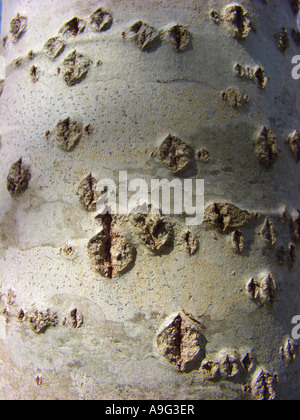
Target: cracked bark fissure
[[177, 341], [239, 19], [107, 228], [180, 341], [220, 220], [90, 182]]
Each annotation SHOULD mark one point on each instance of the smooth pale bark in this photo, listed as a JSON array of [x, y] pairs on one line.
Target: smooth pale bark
[[132, 99]]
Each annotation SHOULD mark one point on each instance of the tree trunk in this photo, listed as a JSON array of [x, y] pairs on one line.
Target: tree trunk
[[144, 306]]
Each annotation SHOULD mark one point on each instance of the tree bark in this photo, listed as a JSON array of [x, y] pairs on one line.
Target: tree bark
[[147, 307]]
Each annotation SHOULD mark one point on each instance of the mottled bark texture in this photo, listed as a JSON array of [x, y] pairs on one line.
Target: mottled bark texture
[[142, 306]]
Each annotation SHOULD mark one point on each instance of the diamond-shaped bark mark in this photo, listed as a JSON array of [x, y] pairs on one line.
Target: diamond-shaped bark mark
[[253, 289], [227, 366], [180, 36], [238, 20], [67, 134], [266, 148], [293, 142], [87, 191], [18, 178], [282, 39], [54, 47], [155, 231], [230, 366], [268, 291], [175, 154], [226, 216], [181, 342], [261, 77], [109, 251], [191, 243], [289, 350], [145, 36], [18, 27], [248, 361], [101, 20], [75, 68], [263, 386], [258, 74], [263, 293], [237, 241], [268, 232], [73, 27]]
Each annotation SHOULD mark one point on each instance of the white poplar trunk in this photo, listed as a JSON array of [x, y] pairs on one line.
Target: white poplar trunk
[[130, 99]]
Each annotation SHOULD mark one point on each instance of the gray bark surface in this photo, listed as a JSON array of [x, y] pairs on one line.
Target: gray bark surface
[[202, 312]]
